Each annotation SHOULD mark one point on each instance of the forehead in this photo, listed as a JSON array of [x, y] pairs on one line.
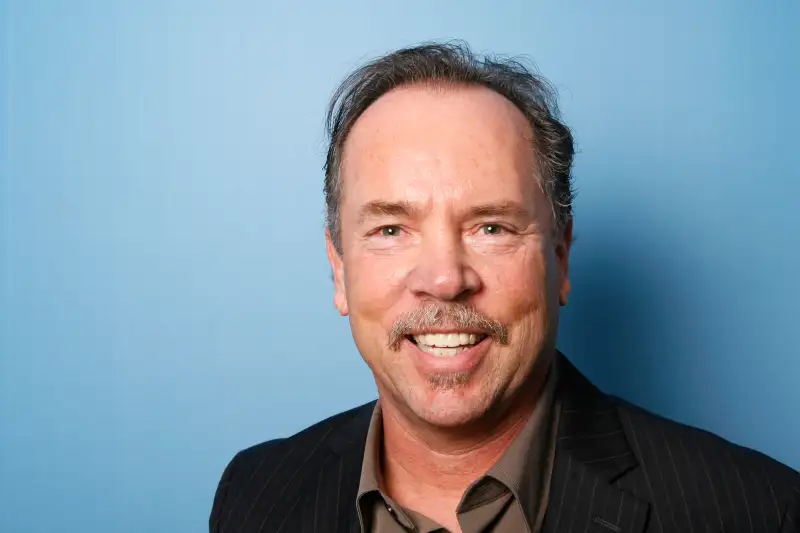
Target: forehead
[[425, 143]]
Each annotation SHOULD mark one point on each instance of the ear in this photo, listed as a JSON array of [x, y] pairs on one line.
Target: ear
[[563, 246], [337, 269]]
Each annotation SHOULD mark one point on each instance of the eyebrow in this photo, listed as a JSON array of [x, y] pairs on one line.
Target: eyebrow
[[381, 208], [503, 209], [403, 209]]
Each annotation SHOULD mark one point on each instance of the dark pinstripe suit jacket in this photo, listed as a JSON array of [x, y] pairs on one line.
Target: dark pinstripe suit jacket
[[618, 469]]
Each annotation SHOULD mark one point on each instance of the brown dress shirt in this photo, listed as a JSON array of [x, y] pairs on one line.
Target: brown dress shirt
[[510, 497]]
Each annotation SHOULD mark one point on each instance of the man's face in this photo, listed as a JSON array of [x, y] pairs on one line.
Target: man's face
[[450, 271]]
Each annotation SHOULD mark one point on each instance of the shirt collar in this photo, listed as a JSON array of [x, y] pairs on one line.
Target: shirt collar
[[525, 467]]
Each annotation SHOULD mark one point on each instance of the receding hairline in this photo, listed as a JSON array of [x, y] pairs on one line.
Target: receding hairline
[[444, 87]]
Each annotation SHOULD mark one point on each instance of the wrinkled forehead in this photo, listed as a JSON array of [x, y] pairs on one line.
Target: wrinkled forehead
[[423, 144]]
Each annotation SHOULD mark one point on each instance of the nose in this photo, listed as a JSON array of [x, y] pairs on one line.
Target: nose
[[442, 271]]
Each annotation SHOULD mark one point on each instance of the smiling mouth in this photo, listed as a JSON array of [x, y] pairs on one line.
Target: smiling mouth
[[446, 344]]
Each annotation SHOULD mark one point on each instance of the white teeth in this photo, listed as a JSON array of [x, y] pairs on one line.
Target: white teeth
[[446, 342], [441, 352]]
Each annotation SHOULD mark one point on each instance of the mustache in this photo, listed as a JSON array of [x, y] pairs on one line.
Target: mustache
[[458, 316]]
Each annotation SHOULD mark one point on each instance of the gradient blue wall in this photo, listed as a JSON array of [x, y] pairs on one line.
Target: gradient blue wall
[[165, 295]]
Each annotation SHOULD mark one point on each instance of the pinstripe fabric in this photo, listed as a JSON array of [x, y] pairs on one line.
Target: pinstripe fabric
[[617, 469]]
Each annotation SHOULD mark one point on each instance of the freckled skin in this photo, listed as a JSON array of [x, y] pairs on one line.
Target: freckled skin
[[444, 152]]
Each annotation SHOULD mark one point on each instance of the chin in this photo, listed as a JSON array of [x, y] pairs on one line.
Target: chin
[[449, 408]]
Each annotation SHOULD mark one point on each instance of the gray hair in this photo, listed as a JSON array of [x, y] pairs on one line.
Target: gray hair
[[453, 63]]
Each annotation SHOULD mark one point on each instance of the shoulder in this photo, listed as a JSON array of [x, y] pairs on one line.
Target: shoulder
[[252, 472], [652, 436], [708, 471]]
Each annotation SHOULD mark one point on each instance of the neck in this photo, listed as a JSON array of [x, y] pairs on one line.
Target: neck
[[421, 461]]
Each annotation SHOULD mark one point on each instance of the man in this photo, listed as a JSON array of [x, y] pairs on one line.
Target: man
[[449, 201]]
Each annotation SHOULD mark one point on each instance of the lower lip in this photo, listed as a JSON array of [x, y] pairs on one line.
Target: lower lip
[[464, 361]]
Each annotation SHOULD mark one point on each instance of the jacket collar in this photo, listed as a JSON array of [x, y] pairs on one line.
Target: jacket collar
[[592, 457]]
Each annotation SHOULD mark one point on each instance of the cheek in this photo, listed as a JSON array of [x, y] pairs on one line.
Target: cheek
[[374, 287], [516, 287]]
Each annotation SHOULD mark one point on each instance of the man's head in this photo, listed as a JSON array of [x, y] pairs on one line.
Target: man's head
[[449, 199]]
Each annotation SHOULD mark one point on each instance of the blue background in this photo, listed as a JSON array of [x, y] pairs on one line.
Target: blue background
[[165, 295]]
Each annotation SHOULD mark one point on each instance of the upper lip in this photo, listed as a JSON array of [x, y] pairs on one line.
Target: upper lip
[[447, 330]]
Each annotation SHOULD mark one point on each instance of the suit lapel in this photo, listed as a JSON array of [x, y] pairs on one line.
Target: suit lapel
[[350, 449], [330, 495], [592, 454]]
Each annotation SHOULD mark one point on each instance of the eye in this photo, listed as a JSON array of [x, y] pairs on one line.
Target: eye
[[389, 231], [492, 229]]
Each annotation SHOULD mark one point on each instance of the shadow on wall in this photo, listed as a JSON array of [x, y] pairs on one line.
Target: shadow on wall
[[625, 319], [687, 314]]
